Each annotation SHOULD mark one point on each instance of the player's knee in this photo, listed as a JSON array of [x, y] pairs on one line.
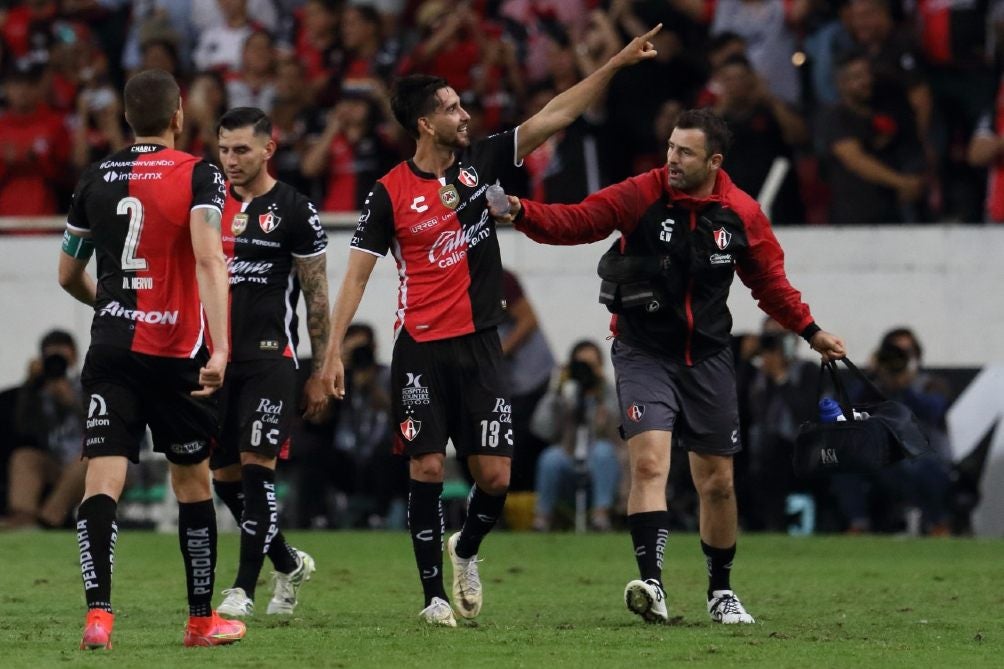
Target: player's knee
[[495, 483], [648, 470], [716, 487], [191, 482], [427, 468]]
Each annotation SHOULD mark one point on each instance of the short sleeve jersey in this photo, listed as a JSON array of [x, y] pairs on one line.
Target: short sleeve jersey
[[261, 239], [135, 205], [443, 239]]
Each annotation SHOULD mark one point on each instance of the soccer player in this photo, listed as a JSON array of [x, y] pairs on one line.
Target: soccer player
[[686, 230], [275, 247], [153, 215], [446, 365]]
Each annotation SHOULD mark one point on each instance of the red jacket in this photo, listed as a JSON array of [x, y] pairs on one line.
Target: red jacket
[[39, 146], [707, 241]]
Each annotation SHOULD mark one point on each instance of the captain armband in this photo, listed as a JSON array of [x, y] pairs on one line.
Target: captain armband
[[77, 247]]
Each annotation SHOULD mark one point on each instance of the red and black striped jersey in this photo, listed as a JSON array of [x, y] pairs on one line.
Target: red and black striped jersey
[[135, 205], [261, 237], [443, 239]]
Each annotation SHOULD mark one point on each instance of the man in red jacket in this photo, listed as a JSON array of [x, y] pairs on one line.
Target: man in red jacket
[[686, 229]]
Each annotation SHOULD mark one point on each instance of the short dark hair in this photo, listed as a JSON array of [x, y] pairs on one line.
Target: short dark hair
[[151, 99], [850, 55], [717, 136], [892, 335], [242, 117], [582, 345], [364, 329], [413, 97], [57, 337], [737, 59]]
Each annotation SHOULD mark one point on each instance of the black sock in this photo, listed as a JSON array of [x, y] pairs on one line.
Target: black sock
[[483, 511], [279, 551], [197, 536], [96, 536], [649, 534], [259, 524], [719, 566], [425, 522]]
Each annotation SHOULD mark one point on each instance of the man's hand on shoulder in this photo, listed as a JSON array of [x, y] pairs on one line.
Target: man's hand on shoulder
[[829, 346]]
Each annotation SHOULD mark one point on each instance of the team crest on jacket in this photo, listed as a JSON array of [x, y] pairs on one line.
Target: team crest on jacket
[[239, 224], [635, 412], [410, 428], [449, 196], [269, 222], [469, 176], [722, 238]]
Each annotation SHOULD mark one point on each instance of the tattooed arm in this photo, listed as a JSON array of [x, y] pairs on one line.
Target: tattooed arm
[[312, 272]]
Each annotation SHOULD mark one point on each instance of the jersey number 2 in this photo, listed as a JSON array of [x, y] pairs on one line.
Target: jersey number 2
[[134, 209]]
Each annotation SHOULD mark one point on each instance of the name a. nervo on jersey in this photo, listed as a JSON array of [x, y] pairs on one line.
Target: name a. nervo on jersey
[[261, 237], [136, 206], [443, 239]]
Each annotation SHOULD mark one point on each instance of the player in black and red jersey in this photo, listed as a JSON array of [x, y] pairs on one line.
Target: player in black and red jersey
[[275, 246], [153, 215], [448, 383]]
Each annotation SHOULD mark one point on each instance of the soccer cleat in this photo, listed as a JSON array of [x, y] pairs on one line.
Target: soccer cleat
[[97, 630], [647, 599], [288, 585], [439, 612], [724, 607], [213, 630], [466, 580], [236, 604]]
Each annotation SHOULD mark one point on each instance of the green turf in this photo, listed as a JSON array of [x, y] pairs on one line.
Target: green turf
[[551, 600]]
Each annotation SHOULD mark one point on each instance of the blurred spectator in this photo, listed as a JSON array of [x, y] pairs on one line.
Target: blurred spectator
[[662, 127], [449, 44], [209, 14], [97, 127], [528, 364], [986, 149], [368, 54], [884, 502], [221, 45], [34, 146], [780, 395], [205, 103], [499, 89], [26, 28], [350, 152], [317, 41], [294, 118], [45, 472], [722, 47], [824, 47], [769, 28], [765, 132], [159, 21], [871, 152], [160, 54], [579, 416], [254, 85], [532, 21]]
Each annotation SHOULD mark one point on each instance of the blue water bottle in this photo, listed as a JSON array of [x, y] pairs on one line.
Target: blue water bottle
[[830, 411]]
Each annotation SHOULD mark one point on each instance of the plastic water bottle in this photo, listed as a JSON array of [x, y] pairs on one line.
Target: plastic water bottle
[[498, 202], [829, 411]]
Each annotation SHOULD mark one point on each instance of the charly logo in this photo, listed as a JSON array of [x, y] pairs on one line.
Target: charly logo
[[413, 391], [468, 177], [416, 205], [239, 224], [269, 222], [410, 428], [635, 412], [95, 410], [722, 238], [449, 196]]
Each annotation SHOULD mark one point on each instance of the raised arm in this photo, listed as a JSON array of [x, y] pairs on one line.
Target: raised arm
[[350, 294], [312, 272], [211, 273], [568, 106]]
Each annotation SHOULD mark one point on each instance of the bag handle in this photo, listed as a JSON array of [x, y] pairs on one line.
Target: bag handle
[[843, 399], [863, 378]]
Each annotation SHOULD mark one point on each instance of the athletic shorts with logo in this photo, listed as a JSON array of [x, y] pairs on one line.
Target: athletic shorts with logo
[[257, 402], [451, 389], [698, 404], [126, 392]]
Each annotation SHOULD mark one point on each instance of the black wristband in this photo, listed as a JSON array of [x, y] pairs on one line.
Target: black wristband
[[809, 331]]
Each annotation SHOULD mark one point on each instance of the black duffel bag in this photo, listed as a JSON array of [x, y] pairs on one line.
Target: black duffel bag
[[890, 433]]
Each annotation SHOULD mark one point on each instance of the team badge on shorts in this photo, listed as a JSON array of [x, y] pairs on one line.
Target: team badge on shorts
[[469, 176], [410, 428], [269, 222], [449, 196], [722, 238], [239, 224], [635, 412]]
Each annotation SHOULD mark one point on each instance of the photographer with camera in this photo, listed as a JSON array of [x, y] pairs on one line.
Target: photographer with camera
[[579, 417], [45, 472]]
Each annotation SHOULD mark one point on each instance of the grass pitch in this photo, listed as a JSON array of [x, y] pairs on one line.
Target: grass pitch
[[551, 601]]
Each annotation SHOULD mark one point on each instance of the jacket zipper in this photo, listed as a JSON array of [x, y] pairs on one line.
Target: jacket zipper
[[688, 302]]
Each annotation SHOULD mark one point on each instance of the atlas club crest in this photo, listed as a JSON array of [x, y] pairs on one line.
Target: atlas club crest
[[468, 176], [410, 428], [635, 412], [722, 238], [269, 222]]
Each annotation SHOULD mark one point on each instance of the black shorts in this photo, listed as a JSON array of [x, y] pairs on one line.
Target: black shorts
[[257, 402], [451, 389], [698, 404], [128, 391]]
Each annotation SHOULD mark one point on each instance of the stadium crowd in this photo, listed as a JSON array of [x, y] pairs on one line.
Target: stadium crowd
[[843, 111]]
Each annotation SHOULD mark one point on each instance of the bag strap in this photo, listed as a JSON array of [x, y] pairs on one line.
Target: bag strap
[[838, 387], [863, 378]]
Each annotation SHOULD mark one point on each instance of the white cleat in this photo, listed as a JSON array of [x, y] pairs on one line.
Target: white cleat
[[466, 580], [724, 607], [647, 599], [236, 604], [439, 612], [288, 585]]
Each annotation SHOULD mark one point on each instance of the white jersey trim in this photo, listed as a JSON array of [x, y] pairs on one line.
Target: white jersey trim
[[80, 232], [207, 206], [516, 160], [372, 253], [289, 316], [309, 255]]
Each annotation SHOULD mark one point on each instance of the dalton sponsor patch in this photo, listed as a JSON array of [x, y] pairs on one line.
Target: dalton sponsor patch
[[635, 412]]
